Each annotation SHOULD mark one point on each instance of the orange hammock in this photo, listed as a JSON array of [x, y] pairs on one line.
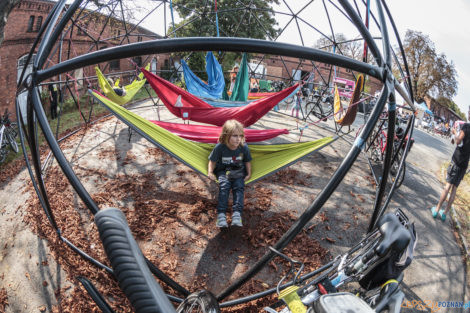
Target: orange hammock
[[345, 117]]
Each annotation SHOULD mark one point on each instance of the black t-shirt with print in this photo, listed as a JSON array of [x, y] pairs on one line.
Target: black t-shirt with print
[[462, 154], [227, 159]]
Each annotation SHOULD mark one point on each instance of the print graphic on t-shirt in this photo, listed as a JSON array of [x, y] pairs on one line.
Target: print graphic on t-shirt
[[233, 159]]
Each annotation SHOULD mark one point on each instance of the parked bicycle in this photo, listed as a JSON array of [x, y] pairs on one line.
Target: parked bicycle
[[377, 144], [8, 135], [377, 263], [319, 105]]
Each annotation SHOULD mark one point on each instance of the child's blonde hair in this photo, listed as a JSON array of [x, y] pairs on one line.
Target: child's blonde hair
[[230, 127]]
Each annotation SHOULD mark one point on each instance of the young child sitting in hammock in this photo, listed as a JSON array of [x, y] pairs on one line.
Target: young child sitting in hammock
[[120, 91], [230, 165]]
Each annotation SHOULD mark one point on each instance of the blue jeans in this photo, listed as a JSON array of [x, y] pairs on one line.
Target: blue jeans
[[238, 190]]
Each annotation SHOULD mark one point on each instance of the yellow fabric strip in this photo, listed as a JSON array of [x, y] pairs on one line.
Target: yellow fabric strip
[[266, 158], [131, 89], [390, 281]]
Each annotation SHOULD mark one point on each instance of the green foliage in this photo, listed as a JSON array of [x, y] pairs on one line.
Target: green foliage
[[451, 105], [237, 18], [44, 95], [197, 60], [253, 19]]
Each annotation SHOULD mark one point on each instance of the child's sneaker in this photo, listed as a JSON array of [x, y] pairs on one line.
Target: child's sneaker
[[434, 211], [443, 216], [236, 219], [221, 220]]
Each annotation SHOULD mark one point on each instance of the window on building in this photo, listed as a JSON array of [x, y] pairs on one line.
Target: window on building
[[38, 23], [138, 61], [30, 24], [348, 70], [114, 65], [139, 38]]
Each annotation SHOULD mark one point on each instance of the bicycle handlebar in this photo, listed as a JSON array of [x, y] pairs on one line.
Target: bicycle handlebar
[[128, 263], [146, 295]]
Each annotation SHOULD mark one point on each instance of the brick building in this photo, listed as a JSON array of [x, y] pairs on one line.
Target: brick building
[[276, 68], [440, 111], [21, 30]]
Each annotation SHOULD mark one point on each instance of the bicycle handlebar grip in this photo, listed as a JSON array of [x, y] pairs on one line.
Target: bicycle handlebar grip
[[395, 235], [129, 264]]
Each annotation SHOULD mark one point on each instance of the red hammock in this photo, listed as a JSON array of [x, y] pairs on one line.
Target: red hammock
[[195, 109], [210, 134]]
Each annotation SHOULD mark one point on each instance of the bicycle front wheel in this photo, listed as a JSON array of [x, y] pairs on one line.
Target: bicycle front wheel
[[202, 301], [394, 170], [315, 111], [3, 154], [12, 141], [13, 129]]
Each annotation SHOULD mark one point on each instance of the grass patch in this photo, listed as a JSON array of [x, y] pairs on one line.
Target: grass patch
[[461, 206]]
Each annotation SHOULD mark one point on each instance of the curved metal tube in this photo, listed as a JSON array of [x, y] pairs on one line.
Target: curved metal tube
[[208, 44]]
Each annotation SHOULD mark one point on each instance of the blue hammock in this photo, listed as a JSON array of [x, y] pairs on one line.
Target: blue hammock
[[215, 85]]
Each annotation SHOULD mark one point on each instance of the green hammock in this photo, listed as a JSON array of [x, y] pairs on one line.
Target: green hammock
[[131, 89], [267, 159]]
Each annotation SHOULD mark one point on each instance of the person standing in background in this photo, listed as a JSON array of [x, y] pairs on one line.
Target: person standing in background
[[456, 170], [53, 98]]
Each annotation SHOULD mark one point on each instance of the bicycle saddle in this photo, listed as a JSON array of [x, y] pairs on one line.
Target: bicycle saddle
[[395, 236]]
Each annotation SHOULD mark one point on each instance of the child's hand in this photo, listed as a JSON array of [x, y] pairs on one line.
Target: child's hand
[[247, 177], [211, 176]]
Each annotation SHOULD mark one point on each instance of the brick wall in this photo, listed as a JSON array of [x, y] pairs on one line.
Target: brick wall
[[20, 34], [284, 68], [18, 42]]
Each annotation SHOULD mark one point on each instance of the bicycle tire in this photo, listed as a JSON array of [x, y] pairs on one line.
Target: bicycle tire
[[12, 142], [202, 301], [314, 111], [374, 144], [3, 154], [13, 129], [395, 166]]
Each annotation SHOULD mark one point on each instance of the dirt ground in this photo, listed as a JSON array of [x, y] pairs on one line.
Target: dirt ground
[[171, 211]]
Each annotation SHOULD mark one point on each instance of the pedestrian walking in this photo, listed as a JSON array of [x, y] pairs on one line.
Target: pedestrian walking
[[456, 170]]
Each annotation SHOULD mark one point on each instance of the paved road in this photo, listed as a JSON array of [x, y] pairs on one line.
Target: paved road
[[437, 273], [430, 151]]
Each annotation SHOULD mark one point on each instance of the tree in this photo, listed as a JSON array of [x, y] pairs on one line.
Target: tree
[[236, 18], [5, 8], [431, 73], [349, 47], [451, 105]]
